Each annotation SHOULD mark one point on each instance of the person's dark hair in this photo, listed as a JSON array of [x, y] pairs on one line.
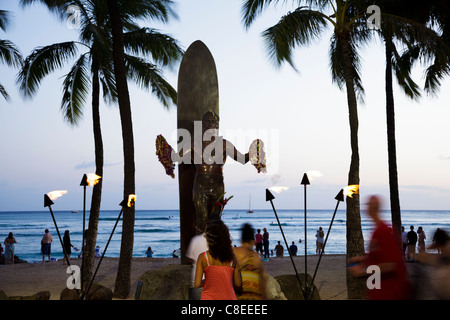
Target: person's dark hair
[[248, 233], [219, 241], [10, 235]]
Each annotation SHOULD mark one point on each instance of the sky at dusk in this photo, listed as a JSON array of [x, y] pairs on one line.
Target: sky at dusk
[[301, 116]]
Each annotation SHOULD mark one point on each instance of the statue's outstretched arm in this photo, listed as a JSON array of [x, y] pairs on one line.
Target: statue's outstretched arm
[[232, 152]]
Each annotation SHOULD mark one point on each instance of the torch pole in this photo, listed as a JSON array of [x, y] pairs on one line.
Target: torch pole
[[84, 183], [339, 198], [305, 182], [48, 203], [270, 197]]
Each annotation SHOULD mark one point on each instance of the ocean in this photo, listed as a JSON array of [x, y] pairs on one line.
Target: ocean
[[160, 229]]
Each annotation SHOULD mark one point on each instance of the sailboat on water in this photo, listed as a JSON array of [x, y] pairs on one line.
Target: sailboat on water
[[250, 204]]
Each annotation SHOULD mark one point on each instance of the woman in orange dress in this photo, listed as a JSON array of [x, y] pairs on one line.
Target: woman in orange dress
[[219, 265]]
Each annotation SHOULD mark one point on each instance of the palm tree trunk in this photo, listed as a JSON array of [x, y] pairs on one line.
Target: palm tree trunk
[[91, 236], [122, 285], [355, 240], [392, 153]]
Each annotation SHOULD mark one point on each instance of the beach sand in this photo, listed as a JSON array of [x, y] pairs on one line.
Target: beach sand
[[26, 279]]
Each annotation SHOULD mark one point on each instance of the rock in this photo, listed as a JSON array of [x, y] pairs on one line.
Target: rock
[[3, 295], [99, 292], [273, 289], [69, 294], [291, 288], [96, 292], [43, 295], [167, 283]]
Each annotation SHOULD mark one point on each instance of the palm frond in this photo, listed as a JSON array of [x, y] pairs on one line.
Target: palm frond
[[402, 65], [150, 42], [10, 54], [160, 10], [296, 28], [4, 20], [337, 56], [251, 9], [76, 87], [41, 62], [108, 81], [58, 7], [435, 73], [3, 92], [148, 76]]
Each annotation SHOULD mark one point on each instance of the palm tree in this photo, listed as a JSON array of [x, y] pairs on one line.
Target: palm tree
[[94, 68], [122, 286], [298, 28], [405, 22], [9, 53]]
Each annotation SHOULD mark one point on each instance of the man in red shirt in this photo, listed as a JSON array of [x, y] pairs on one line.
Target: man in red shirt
[[385, 256]]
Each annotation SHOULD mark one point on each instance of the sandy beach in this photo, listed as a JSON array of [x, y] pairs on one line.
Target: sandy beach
[[26, 279]]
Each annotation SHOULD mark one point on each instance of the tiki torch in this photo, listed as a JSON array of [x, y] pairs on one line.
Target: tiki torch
[[347, 191], [270, 197], [305, 182], [87, 180], [129, 202], [53, 195]]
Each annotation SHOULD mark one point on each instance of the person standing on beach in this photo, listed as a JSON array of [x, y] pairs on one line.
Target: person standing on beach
[[67, 245], [405, 242], [10, 242], [412, 241], [149, 252], [219, 265], [279, 250], [421, 239], [259, 242], [46, 245], [293, 249], [319, 241], [385, 253], [251, 267], [266, 243]]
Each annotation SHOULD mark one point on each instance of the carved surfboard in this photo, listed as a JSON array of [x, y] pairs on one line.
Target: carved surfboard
[[198, 92]]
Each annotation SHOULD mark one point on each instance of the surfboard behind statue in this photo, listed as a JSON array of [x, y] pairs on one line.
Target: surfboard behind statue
[[198, 92]]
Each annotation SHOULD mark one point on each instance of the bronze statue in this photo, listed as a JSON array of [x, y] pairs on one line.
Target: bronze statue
[[208, 157], [208, 181]]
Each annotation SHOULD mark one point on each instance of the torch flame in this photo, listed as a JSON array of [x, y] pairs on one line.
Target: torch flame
[[350, 190], [53, 195], [131, 200], [92, 179]]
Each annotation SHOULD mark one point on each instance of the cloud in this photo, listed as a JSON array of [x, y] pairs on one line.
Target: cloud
[[279, 189], [314, 174], [91, 165]]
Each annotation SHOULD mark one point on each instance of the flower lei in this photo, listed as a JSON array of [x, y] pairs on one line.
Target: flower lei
[[258, 155], [164, 153]]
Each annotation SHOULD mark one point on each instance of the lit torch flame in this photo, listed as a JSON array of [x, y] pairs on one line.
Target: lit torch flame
[[53, 195], [350, 190], [92, 179], [131, 200]]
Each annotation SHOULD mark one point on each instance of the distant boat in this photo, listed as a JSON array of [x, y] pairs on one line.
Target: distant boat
[[250, 204], [75, 211]]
